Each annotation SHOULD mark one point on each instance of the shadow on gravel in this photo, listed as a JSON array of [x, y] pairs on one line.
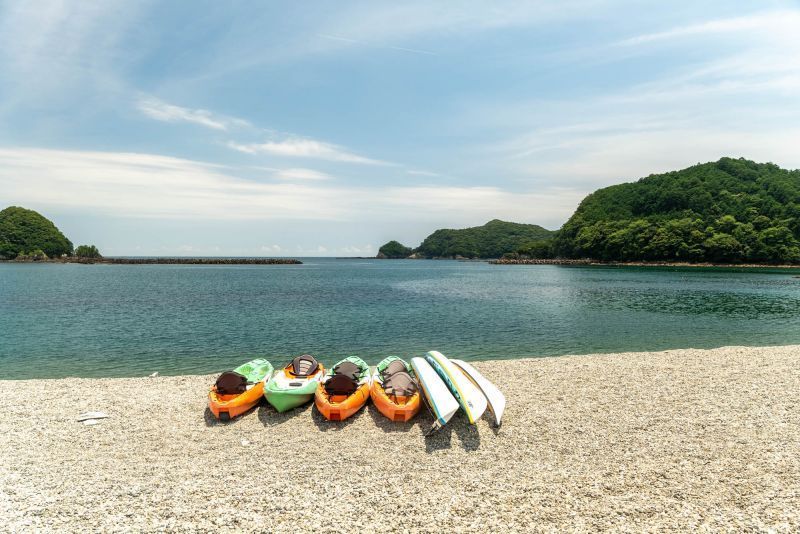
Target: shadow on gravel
[[468, 435], [439, 440], [213, 421], [270, 417], [325, 425], [382, 422]]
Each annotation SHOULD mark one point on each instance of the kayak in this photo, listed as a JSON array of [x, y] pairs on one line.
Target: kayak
[[237, 391], [394, 389], [437, 395], [344, 389], [472, 401], [496, 400], [295, 384]]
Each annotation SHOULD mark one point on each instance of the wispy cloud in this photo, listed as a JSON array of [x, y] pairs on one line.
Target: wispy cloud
[[373, 45], [154, 186], [162, 111], [768, 22], [301, 174], [422, 173], [299, 147]]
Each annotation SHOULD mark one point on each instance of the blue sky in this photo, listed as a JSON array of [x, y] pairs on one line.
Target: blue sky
[[304, 128]]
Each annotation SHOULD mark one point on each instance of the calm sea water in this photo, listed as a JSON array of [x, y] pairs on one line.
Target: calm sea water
[[120, 320]]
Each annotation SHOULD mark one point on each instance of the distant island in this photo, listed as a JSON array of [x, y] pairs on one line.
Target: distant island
[[491, 240], [733, 211], [28, 236]]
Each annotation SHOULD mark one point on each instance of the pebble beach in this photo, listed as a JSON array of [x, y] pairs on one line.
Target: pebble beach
[[675, 440]]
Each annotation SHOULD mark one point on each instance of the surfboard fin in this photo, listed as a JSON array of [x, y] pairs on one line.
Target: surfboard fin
[[435, 427]]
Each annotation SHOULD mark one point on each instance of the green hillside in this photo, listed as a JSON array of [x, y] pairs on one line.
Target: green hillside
[[26, 232], [733, 210], [491, 240], [394, 250]]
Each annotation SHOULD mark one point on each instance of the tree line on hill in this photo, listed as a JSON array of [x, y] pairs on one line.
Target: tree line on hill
[[729, 211], [491, 240], [27, 235]]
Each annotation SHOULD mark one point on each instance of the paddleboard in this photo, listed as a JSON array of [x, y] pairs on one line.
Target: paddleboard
[[496, 400], [436, 393], [472, 401]]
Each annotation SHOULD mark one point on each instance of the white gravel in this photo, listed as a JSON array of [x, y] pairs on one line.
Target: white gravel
[[675, 440]]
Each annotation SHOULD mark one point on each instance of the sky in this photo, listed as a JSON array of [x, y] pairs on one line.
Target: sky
[[328, 128]]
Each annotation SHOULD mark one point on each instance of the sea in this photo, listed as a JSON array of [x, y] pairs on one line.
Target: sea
[[71, 320]]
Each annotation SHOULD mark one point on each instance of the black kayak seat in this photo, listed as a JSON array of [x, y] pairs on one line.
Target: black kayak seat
[[305, 365], [341, 384], [231, 383], [348, 369]]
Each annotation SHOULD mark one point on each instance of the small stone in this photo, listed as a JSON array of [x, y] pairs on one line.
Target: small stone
[[91, 415]]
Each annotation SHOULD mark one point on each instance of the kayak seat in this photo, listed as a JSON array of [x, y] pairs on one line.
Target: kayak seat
[[395, 366], [305, 365], [231, 383], [341, 384], [400, 384], [348, 369]]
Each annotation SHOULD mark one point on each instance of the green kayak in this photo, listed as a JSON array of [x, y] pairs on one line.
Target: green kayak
[[295, 384]]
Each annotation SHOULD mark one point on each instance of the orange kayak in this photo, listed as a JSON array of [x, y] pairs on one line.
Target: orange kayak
[[344, 389], [398, 404], [237, 391]]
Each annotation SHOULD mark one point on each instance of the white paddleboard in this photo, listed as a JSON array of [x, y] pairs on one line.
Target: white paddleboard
[[466, 393], [436, 392], [496, 400]]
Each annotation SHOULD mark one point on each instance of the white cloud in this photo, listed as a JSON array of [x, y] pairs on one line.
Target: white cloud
[[298, 147], [399, 26], [144, 185], [301, 174], [55, 53], [769, 24], [162, 111]]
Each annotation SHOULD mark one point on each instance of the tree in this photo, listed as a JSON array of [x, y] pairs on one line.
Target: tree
[[87, 251], [491, 240], [537, 249], [724, 248], [394, 250], [729, 210], [23, 230]]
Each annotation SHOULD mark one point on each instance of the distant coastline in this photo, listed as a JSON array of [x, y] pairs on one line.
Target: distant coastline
[[510, 261], [167, 261]]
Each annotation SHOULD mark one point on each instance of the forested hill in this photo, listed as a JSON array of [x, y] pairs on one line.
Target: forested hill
[[28, 232], [732, 210], [491, 240]]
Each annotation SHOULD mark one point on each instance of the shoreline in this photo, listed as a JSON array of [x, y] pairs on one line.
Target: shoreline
[[166, 261], [678, 439], [595, 263]]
